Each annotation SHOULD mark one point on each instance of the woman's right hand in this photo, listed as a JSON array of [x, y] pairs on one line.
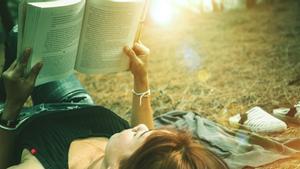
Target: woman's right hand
[[18, 85]]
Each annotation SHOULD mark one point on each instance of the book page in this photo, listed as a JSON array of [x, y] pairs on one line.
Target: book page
[[108, 26], [21, 21], [52, 29]]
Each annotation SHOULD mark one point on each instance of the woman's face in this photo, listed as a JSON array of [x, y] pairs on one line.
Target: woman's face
[[124, 144]]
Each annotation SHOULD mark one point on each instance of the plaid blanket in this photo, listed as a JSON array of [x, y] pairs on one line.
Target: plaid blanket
[[238, 148]]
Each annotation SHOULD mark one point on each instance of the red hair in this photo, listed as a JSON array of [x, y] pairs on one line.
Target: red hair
[[172, 149]]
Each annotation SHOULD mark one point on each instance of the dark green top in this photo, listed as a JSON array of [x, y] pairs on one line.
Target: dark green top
[[51, 133]]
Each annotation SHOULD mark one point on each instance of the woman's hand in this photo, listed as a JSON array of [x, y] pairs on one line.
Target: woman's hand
[[138, 57], [18, 85]]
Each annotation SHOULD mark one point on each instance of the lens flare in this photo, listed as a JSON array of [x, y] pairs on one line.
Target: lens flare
[[191, 57], [161, 11]]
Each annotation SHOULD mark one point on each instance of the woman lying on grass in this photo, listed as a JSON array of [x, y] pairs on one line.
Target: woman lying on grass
[[66, 130]]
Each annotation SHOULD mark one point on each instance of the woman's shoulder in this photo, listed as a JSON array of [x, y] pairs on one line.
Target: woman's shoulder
[[28, 161]]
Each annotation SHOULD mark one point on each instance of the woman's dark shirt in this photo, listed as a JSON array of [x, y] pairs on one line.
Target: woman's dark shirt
[[51, 134]]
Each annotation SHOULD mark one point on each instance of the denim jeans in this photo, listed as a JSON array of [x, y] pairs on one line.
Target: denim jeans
[[57, 95]]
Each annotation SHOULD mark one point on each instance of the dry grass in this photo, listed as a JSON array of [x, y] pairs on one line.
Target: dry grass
[[218, 64]]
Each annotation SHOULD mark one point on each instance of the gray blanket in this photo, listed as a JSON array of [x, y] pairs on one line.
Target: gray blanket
[[238, 148]]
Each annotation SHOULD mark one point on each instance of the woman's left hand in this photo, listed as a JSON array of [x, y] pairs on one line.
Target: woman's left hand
[[19, 84], [138, 56]]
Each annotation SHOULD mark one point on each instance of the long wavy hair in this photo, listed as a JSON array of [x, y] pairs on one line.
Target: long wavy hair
[[172, 149]]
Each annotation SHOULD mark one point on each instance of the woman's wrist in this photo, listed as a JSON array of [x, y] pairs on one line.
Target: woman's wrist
[[7, 116], [10, 111], [141, 84]]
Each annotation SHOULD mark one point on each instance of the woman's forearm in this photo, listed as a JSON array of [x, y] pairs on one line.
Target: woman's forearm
[[142, 112], [18, 86], [7, 142], [11, 110], [141, 107]]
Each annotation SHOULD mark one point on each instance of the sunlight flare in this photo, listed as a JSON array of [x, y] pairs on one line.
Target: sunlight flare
[[161, 11], [191, 57]]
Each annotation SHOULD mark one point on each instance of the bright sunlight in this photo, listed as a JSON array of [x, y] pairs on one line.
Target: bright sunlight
[[161, 11]]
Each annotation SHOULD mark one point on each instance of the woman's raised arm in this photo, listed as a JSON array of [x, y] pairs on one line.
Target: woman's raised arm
[[18, 87], [142, 112]]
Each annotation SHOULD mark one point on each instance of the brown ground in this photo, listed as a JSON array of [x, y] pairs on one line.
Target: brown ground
[[219, 64]]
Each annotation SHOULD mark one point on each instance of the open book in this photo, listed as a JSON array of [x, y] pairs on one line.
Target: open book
[[83, 35]]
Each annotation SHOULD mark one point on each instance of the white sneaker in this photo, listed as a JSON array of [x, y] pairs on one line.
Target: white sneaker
[[288, 114], [258, 120]]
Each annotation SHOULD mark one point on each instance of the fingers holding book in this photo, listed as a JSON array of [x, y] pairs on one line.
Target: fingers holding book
[[18, 83], [140, 49], [138, 56]]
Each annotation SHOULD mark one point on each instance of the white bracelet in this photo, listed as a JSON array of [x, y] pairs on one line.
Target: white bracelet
[[141, 95], [12, 128], [7, 124]]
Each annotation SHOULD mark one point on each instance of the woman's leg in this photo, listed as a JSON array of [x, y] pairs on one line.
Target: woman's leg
[[68, 90]]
